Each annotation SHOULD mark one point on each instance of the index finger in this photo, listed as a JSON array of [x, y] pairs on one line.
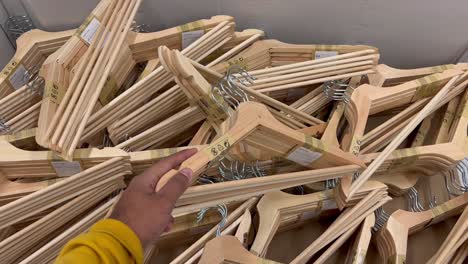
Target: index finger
[[154, 173]]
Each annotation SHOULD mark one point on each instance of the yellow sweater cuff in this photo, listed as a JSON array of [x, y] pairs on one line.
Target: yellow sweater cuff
[[123, 233]]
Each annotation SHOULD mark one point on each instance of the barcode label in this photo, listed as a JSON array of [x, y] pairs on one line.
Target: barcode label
[[190, 37], [320, 54], [18, 78], [303, 156], [66, 168], [90, 31]]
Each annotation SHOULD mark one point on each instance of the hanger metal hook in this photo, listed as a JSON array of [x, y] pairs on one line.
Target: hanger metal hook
[[4, 128], [223, 211], [381, 217], [34, 82], [338, 90], [219, 101], [414, 202], [456, 179]]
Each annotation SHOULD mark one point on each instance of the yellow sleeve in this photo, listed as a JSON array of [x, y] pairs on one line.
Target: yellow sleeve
[[107, 241]]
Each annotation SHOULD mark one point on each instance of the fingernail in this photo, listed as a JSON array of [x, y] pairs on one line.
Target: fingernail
[[187, 173]]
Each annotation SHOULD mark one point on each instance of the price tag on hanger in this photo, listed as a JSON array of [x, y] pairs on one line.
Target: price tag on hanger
[[14, 72], [90, 30], [329, 205], [18, 78], [303, 156], [66, 168], [320, 54], [190, 37]]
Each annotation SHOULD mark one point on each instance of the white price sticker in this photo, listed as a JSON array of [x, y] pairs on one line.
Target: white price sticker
[[66, 168], [329, 205], [90, 31], [320, 54], [303, 156], [190, 37], [18, 78]]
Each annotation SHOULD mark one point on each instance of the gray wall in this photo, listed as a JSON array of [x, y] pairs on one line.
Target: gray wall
[[409, 33]]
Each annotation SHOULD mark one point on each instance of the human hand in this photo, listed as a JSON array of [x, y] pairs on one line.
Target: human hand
[[146, 212]]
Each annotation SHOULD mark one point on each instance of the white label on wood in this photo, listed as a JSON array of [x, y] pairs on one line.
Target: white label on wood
[[320, 54], [66, 168], [90, 30], [329, 205], [303, 156], [18, 78], [190, 37]]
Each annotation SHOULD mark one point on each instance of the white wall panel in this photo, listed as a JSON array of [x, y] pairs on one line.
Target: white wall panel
[[6, 49], [57, 15], [408, 33]]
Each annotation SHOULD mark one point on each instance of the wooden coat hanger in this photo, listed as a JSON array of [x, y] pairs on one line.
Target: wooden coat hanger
[[83, 93], [348, 220], [147, 109], [367, 100], [58, 68], [285, 53], [157, 109], [330, 135], [442, 139], [376, 139], [461, 254], [314, 71], [245, 126], [455, 149], [103, 174], [358, 251], [17, 102], [198, 89], [455, 240], [382, 135], [200, 243], [393, 145], [13, 190], [25, 120], [228, 249], [20, 109], [17, 244], [23, 139], [50, 251], [402, 173], [32, 48], [188, 227], [243, 226], [217, 193], [386, 76], [392, 238], [276, 205], [144, 46], [40, 164], [272, 53], [141, 91]]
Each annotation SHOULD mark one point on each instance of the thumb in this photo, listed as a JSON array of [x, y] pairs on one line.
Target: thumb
[[176, 186]]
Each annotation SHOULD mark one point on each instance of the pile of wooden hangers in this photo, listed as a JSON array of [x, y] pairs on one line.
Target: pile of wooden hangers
[[287, 135]]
